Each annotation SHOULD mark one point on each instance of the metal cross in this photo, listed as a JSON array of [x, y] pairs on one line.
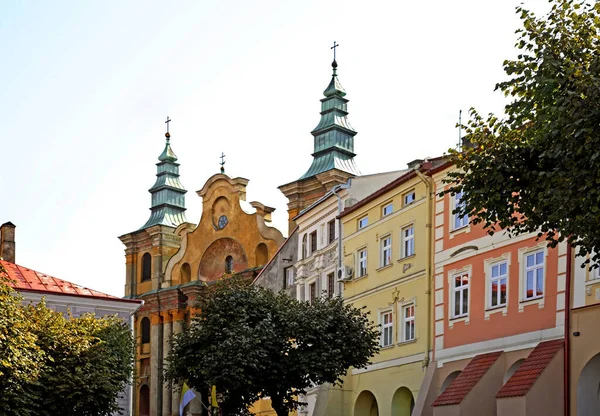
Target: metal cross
[[335, 45], [167, 123], [222, 159]]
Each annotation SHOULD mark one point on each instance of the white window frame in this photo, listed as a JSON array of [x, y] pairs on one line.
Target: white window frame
[[407, 195], [461, 289], [457, 221], [385, 207], [386, 328], [409, 321], [386, 251], [407, 240], [360, 260], [289, 273], [534, 268], [360, 222], [490, 281]]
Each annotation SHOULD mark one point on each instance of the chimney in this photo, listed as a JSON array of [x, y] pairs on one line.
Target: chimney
[[7, 241]]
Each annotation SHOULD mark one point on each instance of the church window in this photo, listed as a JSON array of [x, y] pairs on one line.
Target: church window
[[145, 329], [146, 267], [229, 264]]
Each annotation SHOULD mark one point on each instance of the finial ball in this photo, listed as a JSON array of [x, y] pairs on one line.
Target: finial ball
[[167, 135], [334, 64]]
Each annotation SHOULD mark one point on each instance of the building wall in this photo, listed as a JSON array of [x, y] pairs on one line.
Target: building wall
[[395, 376], [273, 275]]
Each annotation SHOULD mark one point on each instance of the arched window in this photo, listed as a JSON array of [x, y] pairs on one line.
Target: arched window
[[186, 274], [305, 246], [146, 267], [144, 400], [229, 264], [262, 254], [145, 329]]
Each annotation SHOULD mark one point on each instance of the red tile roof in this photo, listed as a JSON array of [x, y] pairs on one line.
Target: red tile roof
[[533, 366], [24, 279], [465, 381]]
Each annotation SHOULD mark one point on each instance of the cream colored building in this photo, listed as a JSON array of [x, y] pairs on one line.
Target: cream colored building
[[387, 252]]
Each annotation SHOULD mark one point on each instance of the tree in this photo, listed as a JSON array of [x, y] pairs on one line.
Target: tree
[[537, 169], [56, 365], [20, 356], [250, 343]]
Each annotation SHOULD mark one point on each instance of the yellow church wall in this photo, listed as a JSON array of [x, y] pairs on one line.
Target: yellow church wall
[[394, 378]]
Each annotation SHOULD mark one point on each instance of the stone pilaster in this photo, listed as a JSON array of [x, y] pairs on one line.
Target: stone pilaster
[[178, 320], [156, 340], [166, 348]]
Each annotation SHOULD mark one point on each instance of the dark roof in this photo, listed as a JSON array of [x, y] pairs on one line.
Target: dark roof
[[465, 381], [534, 365]]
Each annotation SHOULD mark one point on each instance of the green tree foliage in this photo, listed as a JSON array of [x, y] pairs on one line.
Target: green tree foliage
[[537, 169], [56, 365], [252, 343]]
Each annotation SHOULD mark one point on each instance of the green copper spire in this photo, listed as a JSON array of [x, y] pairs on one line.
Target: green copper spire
[[333, 136], [168, 194]]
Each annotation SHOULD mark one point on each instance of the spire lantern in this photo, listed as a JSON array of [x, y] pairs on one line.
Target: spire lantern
[[333, 136], [168, 194]]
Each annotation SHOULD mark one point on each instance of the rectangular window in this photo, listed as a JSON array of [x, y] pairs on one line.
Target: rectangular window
[[460, 221], [312, 292], [408, 241], [409, 197], [460, 295], [362, 262], [387, 329], [288, 277], [408, 317], [363, 222], [386, 251], [534, 275], [313, 242], [387, 209], [498, 281], [330, 285], [331, 231]]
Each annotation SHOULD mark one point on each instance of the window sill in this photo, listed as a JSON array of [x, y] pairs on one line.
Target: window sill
[[357, 278], [459, 318], [538, 300], [495, 309], [405, 258], [387, 266], [387, 347], [412, 341], [462, 230], [593, 281]]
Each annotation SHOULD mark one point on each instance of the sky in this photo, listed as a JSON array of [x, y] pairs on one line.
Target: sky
[[87, 86]]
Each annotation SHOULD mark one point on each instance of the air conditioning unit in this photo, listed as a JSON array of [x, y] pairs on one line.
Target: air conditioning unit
[[345, 273]]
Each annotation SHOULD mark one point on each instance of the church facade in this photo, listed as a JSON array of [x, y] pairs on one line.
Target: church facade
[[170, 261]]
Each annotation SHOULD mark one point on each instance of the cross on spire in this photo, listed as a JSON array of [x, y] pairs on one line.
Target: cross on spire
[[167, 123], [222, 162], [335, 45]]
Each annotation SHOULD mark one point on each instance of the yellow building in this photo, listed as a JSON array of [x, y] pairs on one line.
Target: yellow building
[[386, 249]]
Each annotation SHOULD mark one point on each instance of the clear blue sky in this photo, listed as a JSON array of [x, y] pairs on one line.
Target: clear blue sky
[[86, 87]]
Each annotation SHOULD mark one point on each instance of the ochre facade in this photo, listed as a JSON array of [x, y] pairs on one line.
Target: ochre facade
[[232, 238]]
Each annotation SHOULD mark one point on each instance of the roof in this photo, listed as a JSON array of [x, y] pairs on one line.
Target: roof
[[26, 280], [465, 381], [396, 182], [534, 365]]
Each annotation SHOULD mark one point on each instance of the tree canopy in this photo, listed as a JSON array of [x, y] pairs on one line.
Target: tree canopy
[[537, 168], [250, 343], [56, 365]]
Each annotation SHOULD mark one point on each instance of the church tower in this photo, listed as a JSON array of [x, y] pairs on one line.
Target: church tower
[[149, 248], [333, 155]]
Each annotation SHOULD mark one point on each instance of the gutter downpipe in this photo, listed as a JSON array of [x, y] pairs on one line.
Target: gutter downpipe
[[567, 354], [429, 262], [333, 191]]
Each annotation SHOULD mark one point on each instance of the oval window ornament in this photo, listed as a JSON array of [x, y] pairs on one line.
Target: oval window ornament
[[222, 222]]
